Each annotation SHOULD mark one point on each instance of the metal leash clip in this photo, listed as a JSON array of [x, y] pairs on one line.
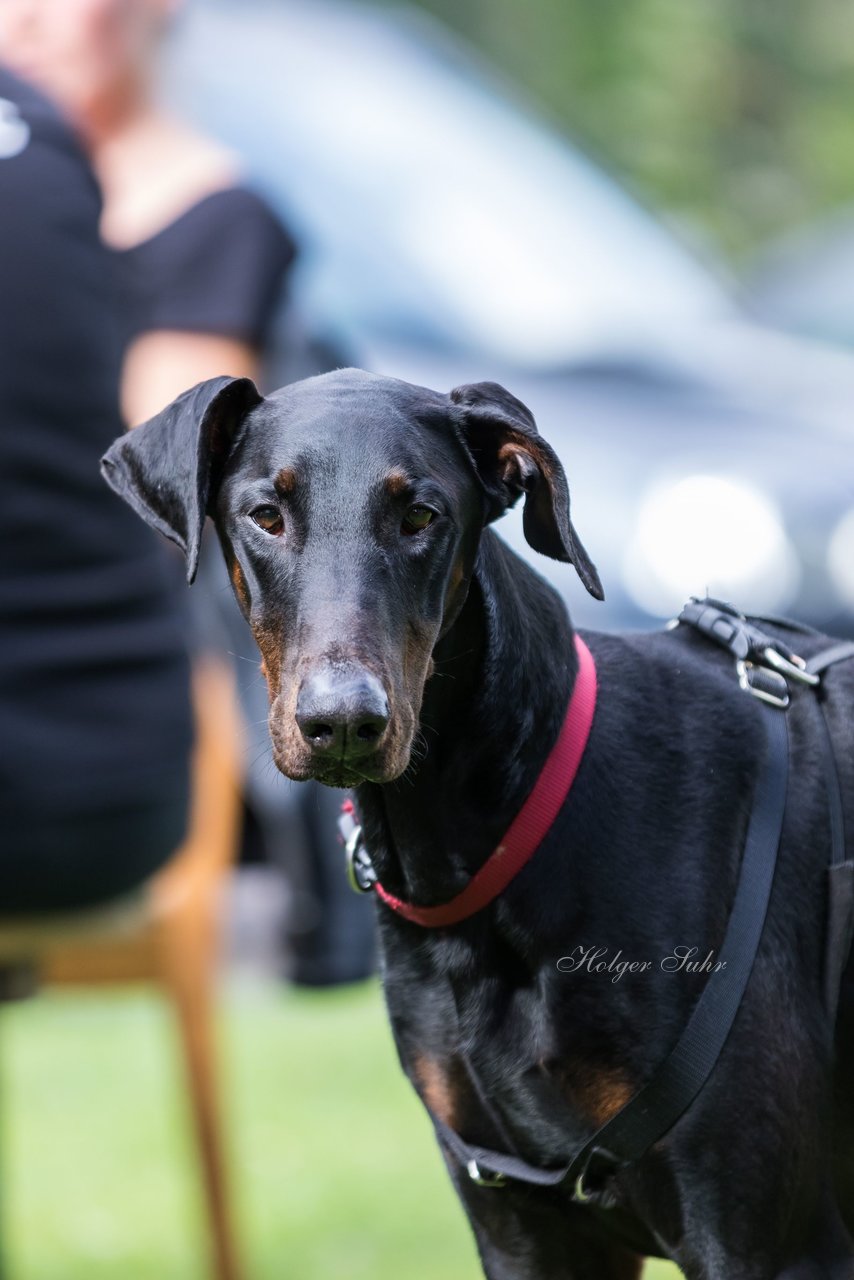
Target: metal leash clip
[[767, 686], [585, 1190], [789, 664], [482, 1178], [762, 664], [360, 869]]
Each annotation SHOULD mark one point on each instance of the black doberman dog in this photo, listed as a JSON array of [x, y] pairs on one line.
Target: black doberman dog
[[411, 655]]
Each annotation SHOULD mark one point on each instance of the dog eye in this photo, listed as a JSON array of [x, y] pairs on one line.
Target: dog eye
[[269, 519], [417, 518]]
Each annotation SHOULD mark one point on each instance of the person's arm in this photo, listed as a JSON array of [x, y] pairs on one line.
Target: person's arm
[[159, 365]]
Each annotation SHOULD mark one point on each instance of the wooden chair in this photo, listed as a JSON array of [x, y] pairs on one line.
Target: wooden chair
[[169, 934]]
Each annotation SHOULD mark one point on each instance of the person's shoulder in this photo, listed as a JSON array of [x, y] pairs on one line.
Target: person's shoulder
[[232, 222], [203, 249], [237, 207], [193, 198], [153, 170], [192, 165]]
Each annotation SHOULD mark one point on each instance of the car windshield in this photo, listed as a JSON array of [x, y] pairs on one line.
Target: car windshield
[[432, 206]]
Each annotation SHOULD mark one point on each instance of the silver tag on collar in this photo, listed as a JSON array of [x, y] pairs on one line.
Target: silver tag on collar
[[360, 871]]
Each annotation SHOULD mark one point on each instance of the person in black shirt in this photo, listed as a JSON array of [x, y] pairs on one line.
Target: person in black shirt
[[203, 260], [95, 718]]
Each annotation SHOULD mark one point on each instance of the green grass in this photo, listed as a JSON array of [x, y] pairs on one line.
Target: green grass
[[335, 1169]]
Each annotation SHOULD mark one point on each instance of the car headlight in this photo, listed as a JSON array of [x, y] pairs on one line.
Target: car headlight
[[706, 534]]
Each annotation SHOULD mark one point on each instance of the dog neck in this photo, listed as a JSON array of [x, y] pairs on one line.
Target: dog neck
[[491, 714]]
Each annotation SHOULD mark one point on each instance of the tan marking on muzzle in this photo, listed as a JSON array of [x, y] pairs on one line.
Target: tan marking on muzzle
[[417, 669], [239, 583], [269, 641], [433, 1078]]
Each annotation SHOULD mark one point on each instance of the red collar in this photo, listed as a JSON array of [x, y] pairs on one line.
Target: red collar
[[533, 820]]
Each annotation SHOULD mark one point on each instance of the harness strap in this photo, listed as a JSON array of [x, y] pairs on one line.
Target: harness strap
[[653, 1111], [836, 653], [674, 1086], [840, 872], [659, 1104], [840, 932]]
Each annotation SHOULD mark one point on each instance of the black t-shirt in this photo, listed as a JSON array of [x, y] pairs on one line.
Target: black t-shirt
[[218, 268], [94, 700]]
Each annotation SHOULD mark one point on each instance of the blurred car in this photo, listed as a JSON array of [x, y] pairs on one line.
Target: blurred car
[[804, 281], [450, 236]]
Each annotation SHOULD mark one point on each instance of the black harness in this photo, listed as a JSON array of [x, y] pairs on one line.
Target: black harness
[[766, 668]]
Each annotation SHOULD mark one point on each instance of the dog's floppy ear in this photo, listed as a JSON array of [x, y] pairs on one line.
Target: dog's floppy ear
[[169, 468], [512, 458]]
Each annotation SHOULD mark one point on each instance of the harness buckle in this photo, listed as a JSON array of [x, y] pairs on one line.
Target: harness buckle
[[791, 665], [766, 685], [482, 1178], [763, 664], [603, 1195]]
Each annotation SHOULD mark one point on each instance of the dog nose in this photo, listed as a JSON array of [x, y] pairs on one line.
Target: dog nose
[[345, 718]]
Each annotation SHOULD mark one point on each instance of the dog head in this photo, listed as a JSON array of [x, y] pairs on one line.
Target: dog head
[[349, 508]]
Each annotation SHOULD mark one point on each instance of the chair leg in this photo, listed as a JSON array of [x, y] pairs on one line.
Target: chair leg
[[187, 965]]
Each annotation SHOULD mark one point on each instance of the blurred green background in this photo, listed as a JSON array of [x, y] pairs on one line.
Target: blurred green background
[[335, 1168], [735, 115]]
